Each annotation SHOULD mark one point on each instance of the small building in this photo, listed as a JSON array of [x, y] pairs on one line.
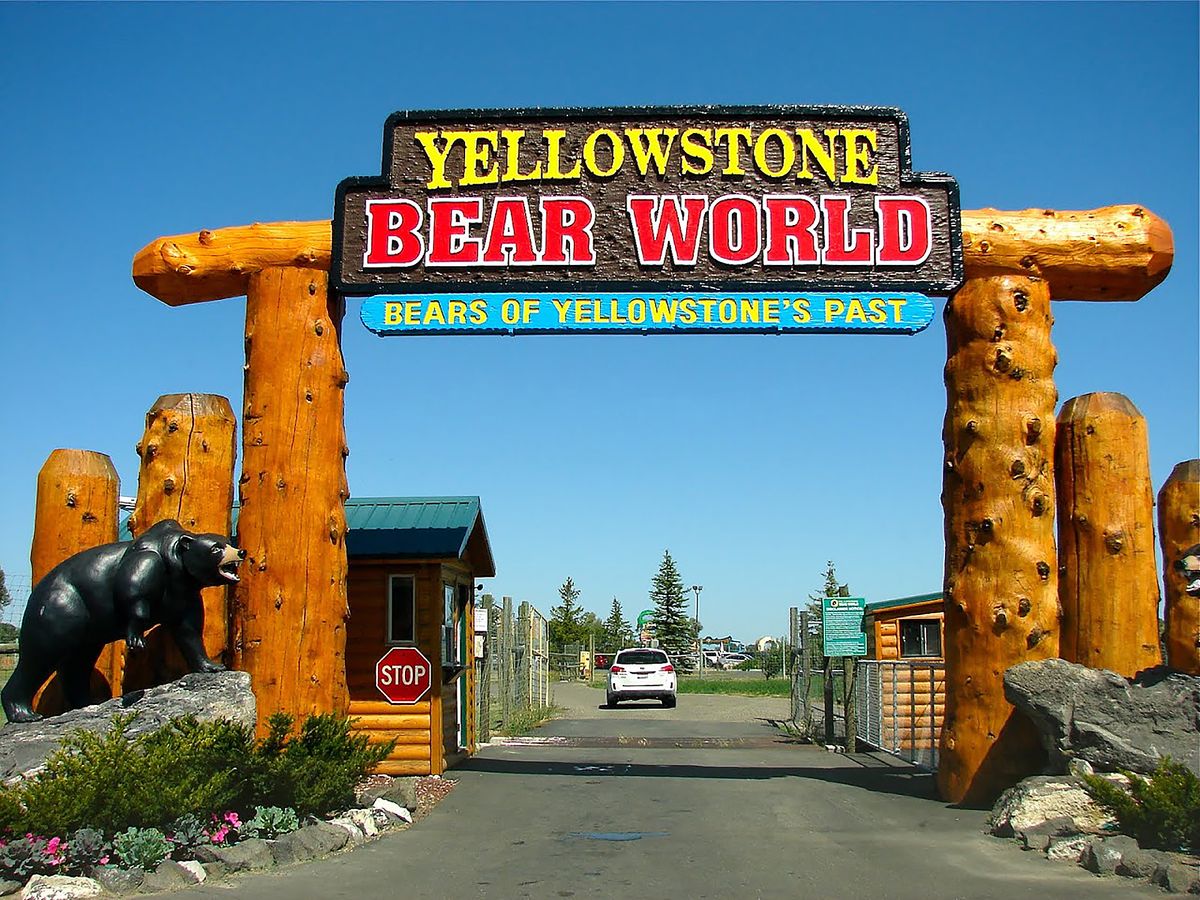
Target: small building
[[905, 639], [413, 562]]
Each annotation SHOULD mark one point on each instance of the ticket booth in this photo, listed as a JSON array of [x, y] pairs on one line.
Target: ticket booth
[[413, 562]]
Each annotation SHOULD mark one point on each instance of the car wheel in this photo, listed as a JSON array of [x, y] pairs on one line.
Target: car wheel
[[668, 702], [610, 701]]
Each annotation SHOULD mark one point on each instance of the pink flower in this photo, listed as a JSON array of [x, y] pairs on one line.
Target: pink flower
[[53, 845], [233, 820], [104, 860], [218, 836]]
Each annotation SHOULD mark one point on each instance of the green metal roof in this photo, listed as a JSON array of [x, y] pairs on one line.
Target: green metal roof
[[411, 528], [880, 605]]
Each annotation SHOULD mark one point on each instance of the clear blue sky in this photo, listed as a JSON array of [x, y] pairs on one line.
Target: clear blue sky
[[754, 459]]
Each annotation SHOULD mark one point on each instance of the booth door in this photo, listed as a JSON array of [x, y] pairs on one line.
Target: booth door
[[455, 650]]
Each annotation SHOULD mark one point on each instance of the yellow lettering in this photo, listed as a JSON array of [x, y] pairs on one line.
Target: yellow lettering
[[457, 314], [687, 311], [708, 303], [732, 138], [583, 310], [897, 305], [479, 312], [529, 308], [617, 152], [437, 157], [554, 138], [480, 165], [771, 311], [512, 167], [562, 306], [647, 145], [809, 146], [434, 314], [696, 143], [412, 312], [856, 313], [860, 144], [879, 314], [662, 312], [393, 313], [833, 308], [637, 311], [800, 311], [787, 151], [751, 311]]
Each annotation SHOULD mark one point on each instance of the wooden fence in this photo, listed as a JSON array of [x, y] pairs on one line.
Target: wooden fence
[[514, 673]]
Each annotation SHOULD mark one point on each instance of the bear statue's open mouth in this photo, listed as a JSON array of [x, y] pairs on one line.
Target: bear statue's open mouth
[[229, 563]]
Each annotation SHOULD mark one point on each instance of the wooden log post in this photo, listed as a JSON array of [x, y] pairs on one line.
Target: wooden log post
[[1179, 531], [76, 509], [1001, 596], [289, 621], [1107, 578], [187, 453]]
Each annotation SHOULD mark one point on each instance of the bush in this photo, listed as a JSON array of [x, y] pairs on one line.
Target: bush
[[772, 664], [270, 822], [110, 782], [141, 848], [1162, 813], [87, 847]]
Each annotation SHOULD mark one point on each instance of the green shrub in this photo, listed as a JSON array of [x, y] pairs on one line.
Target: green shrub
[[186, 833], [772, 664], [1162, 813], [270, 822], [87, 847], [141, 848]]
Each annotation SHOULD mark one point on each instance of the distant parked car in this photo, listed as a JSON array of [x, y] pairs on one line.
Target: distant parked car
[[603, 660], [733, 660], [641, 673]]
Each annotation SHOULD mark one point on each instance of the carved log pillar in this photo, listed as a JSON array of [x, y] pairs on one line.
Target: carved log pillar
[[1108, 583], [1001, 591], [77, 493], [187, 452], [289, 623], [1179, 530]]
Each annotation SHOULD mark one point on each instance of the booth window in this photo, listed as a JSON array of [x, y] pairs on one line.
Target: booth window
[[402, 612], [450, 654], [920, 637]]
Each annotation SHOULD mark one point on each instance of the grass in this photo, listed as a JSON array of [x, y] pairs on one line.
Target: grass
[[756, 687], [524, 721]]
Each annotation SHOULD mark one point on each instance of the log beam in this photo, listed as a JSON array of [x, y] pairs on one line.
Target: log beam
[[1107, 580], [1113, 253], [1001, 585], [289, 620], [1179, 531], [76, 509], [187, 455]]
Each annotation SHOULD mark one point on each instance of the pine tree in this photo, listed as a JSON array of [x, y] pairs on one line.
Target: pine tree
[[617, 631], [5, 596], [830, 588], [671, 624], [565, 620]]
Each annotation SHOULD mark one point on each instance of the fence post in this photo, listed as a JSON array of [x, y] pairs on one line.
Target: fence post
[[793, 619], [506, 669], [526, 648], [483, 691], [849, 667], [828, 672]]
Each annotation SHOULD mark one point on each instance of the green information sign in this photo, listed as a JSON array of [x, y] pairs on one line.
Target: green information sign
[[842, 626]]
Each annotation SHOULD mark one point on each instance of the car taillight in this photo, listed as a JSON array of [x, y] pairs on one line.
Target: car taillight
[[668, 668], [617, 670]]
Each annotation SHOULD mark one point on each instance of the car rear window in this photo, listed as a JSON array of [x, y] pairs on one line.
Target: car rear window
[[642, 658]]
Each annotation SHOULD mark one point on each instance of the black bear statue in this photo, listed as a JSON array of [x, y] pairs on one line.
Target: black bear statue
[[117, 592]]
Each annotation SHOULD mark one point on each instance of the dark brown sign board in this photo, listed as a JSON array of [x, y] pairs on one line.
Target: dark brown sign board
[[716, 200]]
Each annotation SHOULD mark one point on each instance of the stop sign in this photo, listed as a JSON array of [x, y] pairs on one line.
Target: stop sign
[[403, 675]]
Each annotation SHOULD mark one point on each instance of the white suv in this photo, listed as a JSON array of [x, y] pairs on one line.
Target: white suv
[[639, 673]]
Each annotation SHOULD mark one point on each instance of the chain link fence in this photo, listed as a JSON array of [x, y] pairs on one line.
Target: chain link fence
[[901, 704], [513, 677]]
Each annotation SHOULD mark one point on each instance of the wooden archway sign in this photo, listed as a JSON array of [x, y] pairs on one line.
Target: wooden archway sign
[[1000, 579]]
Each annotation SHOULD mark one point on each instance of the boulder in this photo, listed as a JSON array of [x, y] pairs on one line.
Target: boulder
[[365, 820], [60, 887], [401, 791], [1176, 878], [119, 881], [8, 887], [196, 869], [25, 746], [309, 842], [1103, 855], [1068, 849], [392, 810], [1142, 863], [1038, 836], [245, 856], [169, 876], [1046, 798], [1108, 721], [356, 836]]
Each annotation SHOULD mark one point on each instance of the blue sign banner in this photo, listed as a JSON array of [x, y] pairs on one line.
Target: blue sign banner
[[863, 312]]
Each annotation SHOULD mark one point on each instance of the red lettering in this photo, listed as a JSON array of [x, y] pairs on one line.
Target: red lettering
[[450, 243], [567, 231], [838, 250], [904, 230], [791, 231], [734, 231], [393, 236], [510, 234], [659, 225]]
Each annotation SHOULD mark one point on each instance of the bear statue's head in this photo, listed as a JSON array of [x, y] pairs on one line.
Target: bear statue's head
[[209, 558], [1189, 565]]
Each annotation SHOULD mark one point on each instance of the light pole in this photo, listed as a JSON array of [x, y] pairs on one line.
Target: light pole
[[696, 589]]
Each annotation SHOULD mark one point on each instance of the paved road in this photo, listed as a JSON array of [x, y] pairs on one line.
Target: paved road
[[706, 809]]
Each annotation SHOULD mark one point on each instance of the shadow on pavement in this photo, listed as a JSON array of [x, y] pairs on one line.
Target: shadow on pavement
[[904, 782]]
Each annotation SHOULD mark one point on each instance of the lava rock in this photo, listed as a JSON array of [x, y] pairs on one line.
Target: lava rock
[[169, 876], [309, 842], [402, 791], [1038, 836], [119, 881], [1142, 863], [245, 856], [1174, 877], [1111, 722], [8, 887], [1102, 856]]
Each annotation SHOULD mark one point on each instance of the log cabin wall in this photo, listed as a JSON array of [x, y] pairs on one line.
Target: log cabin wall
[[905, 694]]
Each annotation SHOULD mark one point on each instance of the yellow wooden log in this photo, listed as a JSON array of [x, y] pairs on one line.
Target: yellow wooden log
[[1001, 588], [403, 767], [289, 622], [1179, 531], [187, 456], [392, 723], [1114, 253], [409, 751], [75, 510], [1108, 580], [383, 708], [400, 737]]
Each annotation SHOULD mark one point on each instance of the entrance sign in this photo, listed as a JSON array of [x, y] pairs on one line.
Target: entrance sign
[[761, 219], [403, 675], [842, 626]]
